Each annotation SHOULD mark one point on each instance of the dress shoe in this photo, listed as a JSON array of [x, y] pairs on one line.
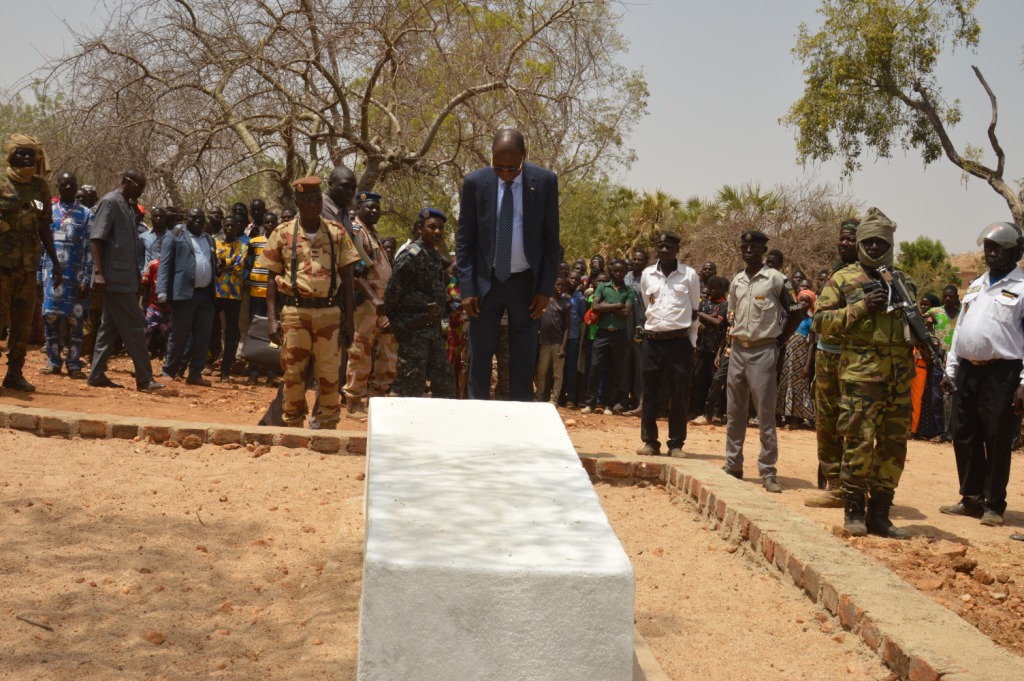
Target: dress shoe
[[77, 374], [991, 519], [150, 387], [771, 484], [19, 383], [632, 412], [103, 382], [736, 474], [971, 510], [199, 381]]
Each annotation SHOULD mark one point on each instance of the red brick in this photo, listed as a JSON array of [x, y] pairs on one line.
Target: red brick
[[92, 428], [922, 670], [781, 557], [744, 526], [720, 507], [589, 465], [673, 476], [707, 505], [730, 519], [615, 469], [124, 431], [258, 438], [755, 534], [870, 633], [849, 613], [829, 598], [22, 421], [896, 659], [702, 496], [292, 440], [158, 434], [53, 425], [325, 444], [356, 445], [811, 582], [224, 436], [796, 571], [768, 548], [646, 470], [180, 434]]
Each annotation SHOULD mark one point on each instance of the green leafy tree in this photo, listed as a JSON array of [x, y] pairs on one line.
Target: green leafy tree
[[870, 83], [927, 263]]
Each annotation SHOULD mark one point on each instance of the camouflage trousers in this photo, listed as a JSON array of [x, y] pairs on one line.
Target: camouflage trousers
[[17, 305], [826, 409], [310, 333], [423, 356], [874, 420], [372, 357]]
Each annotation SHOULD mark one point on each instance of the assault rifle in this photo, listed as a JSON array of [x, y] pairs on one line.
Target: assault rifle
[[901, 301]]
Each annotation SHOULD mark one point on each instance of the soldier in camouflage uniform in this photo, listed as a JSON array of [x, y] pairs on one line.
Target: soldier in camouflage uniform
[[306, 257], [415, 301], [24, 224], [373, 353], [876, 365], [826, 389]]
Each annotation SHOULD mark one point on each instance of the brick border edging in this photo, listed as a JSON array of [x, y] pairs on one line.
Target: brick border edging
[[915, 637], [69, 424]]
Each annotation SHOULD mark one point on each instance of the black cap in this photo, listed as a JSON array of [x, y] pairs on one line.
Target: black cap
[[752, 235], [671, 237]]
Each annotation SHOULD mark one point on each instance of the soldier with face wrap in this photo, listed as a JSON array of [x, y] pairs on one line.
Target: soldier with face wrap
[[876, 365]]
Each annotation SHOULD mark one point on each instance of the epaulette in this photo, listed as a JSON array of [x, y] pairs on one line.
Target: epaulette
[[415, 248]]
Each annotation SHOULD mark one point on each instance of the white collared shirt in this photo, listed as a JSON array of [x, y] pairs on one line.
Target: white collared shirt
[[519, 261], [991, 322], [670, 300], [204, 268]]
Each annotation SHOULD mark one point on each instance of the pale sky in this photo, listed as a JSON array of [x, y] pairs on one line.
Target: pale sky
[[720, 75]]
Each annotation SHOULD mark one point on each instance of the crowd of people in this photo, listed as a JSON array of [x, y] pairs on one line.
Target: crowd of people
[[355, 316]]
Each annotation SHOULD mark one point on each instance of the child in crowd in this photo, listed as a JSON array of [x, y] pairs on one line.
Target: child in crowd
[[613, 301], [577, 309], [554, 338], [231, 257], [712, 313], [158, 315]]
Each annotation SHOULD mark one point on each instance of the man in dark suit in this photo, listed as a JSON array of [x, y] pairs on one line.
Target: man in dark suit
[[188, 268], [507, 253], [115, 261]]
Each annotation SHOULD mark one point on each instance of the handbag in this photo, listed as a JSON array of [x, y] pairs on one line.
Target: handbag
[[258, 348]]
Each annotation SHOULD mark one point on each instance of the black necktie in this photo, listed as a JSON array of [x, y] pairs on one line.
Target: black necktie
[[503, 242]]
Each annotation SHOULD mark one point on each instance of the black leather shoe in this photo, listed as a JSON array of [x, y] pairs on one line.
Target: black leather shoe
[[963, 508], [19, 383], [736, 474], [150, 387], [103, 382]]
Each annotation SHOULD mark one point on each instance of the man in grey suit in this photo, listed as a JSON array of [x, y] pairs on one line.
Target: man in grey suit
[[115, 256], [188, 267], [507, 252]]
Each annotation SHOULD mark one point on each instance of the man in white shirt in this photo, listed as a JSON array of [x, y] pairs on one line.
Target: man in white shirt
[[985, 366], [671, 293]]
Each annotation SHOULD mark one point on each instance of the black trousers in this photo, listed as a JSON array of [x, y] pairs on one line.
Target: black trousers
[[514, 297], [703, 374], [611, 362], [671, 362], [984, 427]]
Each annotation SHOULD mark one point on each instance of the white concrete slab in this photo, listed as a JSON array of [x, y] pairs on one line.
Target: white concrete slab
[[488, 555]]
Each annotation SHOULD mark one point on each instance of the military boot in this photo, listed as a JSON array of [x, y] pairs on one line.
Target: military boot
[[853, 514], [15, 380], [830, 497], [878, 517]]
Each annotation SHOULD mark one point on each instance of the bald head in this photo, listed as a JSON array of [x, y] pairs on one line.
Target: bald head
[[133, 183], [67, 187], [341, 186], [510, 139]]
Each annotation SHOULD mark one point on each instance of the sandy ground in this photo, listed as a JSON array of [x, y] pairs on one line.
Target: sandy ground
[[149, 562]]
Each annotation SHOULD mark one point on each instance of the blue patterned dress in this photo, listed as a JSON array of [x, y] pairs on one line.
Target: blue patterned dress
[[70, 225]]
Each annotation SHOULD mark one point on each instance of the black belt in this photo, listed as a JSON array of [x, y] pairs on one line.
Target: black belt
[[292, 301], [666, 335]]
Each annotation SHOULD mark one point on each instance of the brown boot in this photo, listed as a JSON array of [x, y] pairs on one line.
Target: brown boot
[[830, 497]]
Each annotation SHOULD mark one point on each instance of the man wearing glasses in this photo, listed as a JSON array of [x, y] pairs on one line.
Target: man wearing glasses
[[507, 255]]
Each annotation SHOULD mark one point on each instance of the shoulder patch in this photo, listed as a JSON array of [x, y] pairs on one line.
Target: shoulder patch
[[414, 249]]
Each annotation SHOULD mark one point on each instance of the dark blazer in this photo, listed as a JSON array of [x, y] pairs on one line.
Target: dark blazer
[[176, 275], [114, 223], [478, 221]]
